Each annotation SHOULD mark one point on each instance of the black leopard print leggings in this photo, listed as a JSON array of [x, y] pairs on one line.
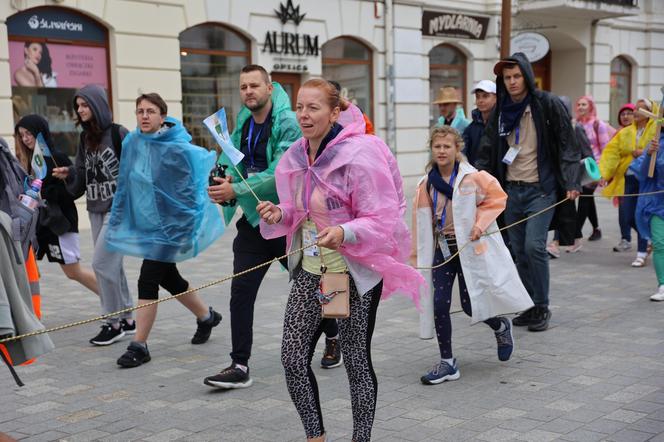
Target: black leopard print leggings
[[302, 328]]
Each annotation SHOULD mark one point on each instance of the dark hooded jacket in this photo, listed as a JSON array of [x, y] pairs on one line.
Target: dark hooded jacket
[[53, 190], [472, 137], [558, 157], [96, 168]]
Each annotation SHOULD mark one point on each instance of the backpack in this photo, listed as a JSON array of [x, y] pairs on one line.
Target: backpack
[[24, 219]]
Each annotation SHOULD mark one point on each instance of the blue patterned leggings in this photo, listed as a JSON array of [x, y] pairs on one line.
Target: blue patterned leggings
[[443, 281]]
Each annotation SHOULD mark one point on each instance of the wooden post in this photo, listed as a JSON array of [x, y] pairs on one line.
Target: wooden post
[[658, 131], [505, 29]]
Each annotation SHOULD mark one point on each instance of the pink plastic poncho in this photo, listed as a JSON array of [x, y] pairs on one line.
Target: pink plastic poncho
[[356, 183], [598, 132]]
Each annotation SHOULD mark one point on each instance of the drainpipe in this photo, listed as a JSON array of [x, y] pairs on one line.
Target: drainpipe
[[390, 122], [593, 36]]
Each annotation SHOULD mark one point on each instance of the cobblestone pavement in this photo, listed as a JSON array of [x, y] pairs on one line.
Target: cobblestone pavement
[[596, 374]]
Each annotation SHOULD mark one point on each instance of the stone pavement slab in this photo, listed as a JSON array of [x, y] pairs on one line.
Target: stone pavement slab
[[596, 374]]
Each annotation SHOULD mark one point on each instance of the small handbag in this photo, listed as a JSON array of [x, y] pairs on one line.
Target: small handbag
[[333, 293]]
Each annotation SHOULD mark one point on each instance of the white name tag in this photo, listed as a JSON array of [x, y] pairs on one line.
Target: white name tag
[[444, 247], [511, 154], [309, 237]]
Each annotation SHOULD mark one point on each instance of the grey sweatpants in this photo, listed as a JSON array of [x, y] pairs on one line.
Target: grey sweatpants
[[111, 279]]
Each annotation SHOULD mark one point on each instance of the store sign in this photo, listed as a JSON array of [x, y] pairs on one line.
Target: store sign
[[534, 45], [291, 48], [289, 12], [451, 24], [289, 43], [56, 23]]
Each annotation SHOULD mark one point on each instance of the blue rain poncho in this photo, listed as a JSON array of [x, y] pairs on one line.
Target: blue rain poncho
[[648, 206], [161, 210]]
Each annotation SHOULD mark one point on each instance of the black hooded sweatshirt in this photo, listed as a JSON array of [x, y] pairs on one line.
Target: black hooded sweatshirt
[[558, 156], [96, 168], [53, 189]]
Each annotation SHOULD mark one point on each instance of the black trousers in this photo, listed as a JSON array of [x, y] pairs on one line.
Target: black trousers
[[587, 209], [249, 250]]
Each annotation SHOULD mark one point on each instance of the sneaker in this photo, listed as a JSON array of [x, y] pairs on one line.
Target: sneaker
[[659, 296], [205, 328], [575, 247], [524, 318], [128, 329], [441, 372], [639, 261], [553, 250], [596, 235], [622, 246], [505, 341], [134, 356], [108, 335], [332, 357], [230, 377], [540, 319]]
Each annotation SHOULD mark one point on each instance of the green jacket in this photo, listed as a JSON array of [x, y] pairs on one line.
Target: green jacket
[[285, 131]]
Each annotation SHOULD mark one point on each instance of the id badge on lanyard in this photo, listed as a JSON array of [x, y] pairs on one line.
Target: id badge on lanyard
[[513, 151], [309, 236], [252, 169]]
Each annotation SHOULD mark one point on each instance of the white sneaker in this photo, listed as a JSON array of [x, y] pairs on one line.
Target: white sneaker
[[659, 296]]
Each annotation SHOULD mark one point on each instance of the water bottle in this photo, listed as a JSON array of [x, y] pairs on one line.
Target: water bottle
[[31, 197]]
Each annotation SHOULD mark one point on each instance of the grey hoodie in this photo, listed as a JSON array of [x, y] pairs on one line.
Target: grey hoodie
[[95, 170]]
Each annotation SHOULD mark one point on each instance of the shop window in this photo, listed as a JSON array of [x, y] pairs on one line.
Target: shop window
[[211, 57], [52, 53], [621, 85], [350, 63], [447, 67]]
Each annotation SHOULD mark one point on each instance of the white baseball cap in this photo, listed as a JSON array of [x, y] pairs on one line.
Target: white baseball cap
[[486, 86]]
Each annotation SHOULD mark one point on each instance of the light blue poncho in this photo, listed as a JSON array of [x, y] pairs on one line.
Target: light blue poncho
[[161, 210]]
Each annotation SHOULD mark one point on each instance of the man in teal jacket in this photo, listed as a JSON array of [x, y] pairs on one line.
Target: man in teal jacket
[[266, 127]]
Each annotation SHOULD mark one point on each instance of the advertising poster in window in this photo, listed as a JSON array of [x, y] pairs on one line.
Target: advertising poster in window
[[45, 77], [53, 52]]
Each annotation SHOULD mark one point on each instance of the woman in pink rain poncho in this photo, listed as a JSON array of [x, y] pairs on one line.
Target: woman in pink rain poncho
[[599, 133], [342, 188]]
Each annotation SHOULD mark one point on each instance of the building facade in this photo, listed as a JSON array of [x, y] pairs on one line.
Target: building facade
[[389, 56]]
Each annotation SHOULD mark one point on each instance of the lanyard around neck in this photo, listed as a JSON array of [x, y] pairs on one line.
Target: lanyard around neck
[[435, 202], [252, 151]]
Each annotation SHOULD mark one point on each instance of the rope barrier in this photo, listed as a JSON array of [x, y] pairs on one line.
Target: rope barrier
[[268, 263]]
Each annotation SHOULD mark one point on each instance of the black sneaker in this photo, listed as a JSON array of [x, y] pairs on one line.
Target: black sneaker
[[597, 234], [108, 335], [230, 377], [540, 319], [524, 318], [332, 357], [505, 341], [205, 328], [128, 329], [134, 356]]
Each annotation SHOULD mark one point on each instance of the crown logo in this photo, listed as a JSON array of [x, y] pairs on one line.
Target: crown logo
[[289, 12]]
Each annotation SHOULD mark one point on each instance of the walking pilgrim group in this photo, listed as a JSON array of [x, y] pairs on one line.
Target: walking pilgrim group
[[317, 185]]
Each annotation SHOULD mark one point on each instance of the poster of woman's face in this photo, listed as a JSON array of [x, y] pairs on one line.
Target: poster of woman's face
[[45, 77], [36, 70]]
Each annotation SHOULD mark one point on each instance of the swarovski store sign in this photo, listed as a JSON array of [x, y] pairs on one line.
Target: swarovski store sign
[[290, 49]]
